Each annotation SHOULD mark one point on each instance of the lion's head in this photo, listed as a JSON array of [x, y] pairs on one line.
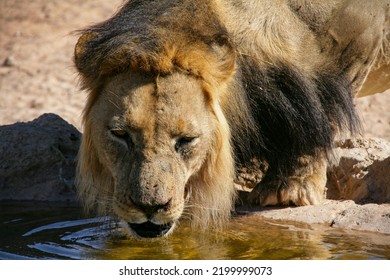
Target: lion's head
[[150, 151]]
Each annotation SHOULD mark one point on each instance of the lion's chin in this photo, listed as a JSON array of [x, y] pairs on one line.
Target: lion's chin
[[150, 230]]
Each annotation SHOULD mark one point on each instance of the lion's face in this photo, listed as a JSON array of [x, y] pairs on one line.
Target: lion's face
[[153, 134]]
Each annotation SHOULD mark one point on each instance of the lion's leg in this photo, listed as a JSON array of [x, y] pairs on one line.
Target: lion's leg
[[305, 186]]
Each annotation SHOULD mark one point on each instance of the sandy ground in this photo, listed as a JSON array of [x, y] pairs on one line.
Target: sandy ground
[[36, 50], [37, 73]]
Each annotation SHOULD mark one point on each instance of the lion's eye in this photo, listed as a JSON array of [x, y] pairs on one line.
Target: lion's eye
[[119, 133], [123, 135], [184, 142]]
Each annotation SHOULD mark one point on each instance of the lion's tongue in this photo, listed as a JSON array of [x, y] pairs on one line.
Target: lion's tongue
[[150, 230]]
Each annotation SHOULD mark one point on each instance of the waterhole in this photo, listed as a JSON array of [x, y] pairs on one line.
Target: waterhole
[[52, 231]]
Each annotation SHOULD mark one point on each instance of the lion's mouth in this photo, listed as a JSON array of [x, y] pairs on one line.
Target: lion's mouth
[[150, 230]]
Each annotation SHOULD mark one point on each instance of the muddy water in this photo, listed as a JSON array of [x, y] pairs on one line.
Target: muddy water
[[44, 231]]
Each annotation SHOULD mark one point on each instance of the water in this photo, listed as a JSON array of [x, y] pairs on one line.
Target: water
[[42, 231]]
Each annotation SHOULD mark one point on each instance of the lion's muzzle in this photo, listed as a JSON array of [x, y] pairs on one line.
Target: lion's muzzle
[[150, 230]]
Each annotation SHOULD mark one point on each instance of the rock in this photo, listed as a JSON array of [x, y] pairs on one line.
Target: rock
[[369, 217], [38, 160], [337, 214], [361, 171], [9, 61]]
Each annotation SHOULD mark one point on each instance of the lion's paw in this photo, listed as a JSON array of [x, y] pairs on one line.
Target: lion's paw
[[305, 187], [293, 191]]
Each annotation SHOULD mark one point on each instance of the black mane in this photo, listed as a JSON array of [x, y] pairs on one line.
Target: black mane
[[291, 115]]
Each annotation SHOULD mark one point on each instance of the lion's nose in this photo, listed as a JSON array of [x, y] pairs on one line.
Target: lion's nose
[[151, 208]]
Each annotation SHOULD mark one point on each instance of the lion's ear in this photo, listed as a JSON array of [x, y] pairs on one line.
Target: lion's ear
[[225, 57], [214, 59], [81, 49]]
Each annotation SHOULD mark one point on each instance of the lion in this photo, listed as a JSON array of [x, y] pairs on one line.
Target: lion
[[182, 93]]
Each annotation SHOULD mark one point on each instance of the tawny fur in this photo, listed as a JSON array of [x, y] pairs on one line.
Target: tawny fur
[[277, 76]]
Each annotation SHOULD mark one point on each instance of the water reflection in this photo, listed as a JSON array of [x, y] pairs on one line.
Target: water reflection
[[61, 232], [246, 238]]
